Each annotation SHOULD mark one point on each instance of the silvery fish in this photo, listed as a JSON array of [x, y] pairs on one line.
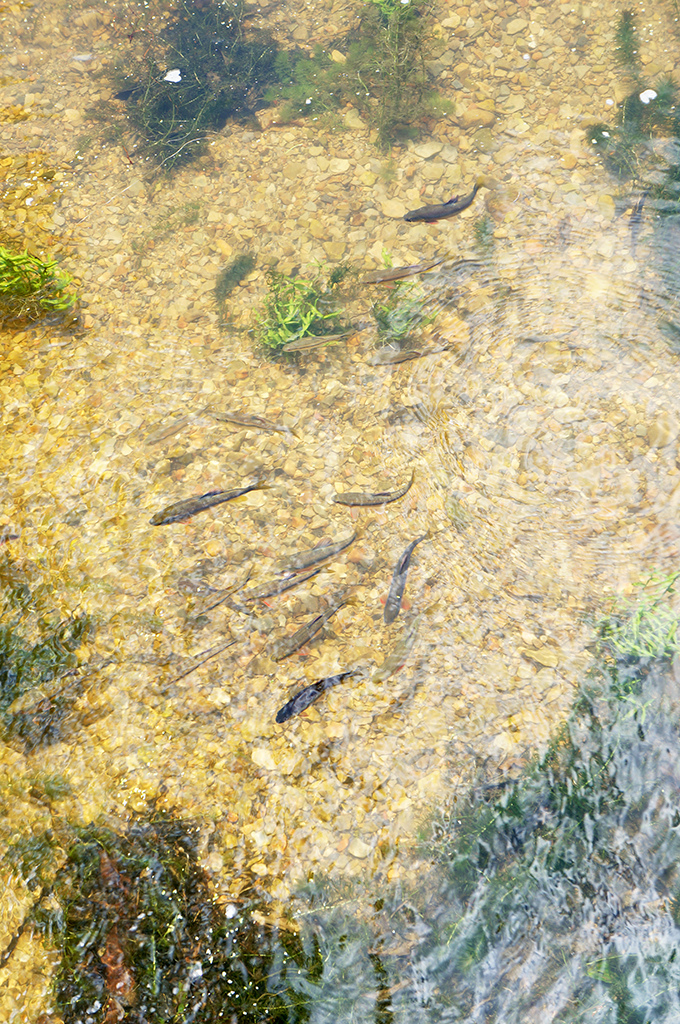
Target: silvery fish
[[398, 657], [167, 431], [274, 587], [312, 341], [304, 559], [381, 498], [397, 273], [290, 644], [305, 698], [191, 506], [393, 602], [243, 419]]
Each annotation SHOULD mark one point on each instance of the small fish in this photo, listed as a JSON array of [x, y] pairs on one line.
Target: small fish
[[304, 559], [312, 341], [191, 506], [167, 431], [290, 644], [393, 602], [635, 221], [388, 356], [305, 698], [447, 209], [224, 594], [397, 273], [381, 498], [397, 659], [243, 419], [277, 586]]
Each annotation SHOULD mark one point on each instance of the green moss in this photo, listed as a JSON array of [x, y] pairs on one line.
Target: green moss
[[310, 86], [32, 289], [483, 229]]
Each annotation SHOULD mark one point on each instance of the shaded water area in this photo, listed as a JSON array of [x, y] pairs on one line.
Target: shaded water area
[[142, 674]]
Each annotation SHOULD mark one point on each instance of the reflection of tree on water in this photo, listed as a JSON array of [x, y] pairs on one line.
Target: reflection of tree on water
[[556, 900]]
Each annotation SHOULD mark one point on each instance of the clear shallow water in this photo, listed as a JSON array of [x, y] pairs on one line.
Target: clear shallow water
[[545, 468]]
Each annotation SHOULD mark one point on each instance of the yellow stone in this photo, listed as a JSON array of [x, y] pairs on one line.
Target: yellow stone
[[317, 230], [548, 657]]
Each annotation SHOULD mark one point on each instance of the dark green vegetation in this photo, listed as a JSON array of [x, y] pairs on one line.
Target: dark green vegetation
[[630, 148], [298, 307], [224, 71], [483, 228], [386, 66], [38, 689], [144, 938], [221, 69], [229, 278], [555, 897], [627, 50], [642, 151], [32, 289]]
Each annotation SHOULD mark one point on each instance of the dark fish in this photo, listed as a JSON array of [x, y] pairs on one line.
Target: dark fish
[[305, 698], [448, 209], [290, 644], [277, 586], [243, 419], [381, 498], [321, 554], [190, 506], [397, 273], [393, 602], [636, 221]]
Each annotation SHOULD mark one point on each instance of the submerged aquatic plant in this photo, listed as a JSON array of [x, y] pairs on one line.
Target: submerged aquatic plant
[[645, 627], [627, 49], [204, 69], [37, 693], [297, 308], [383, 74], [386, 60], [402, 314], [32, 289]]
